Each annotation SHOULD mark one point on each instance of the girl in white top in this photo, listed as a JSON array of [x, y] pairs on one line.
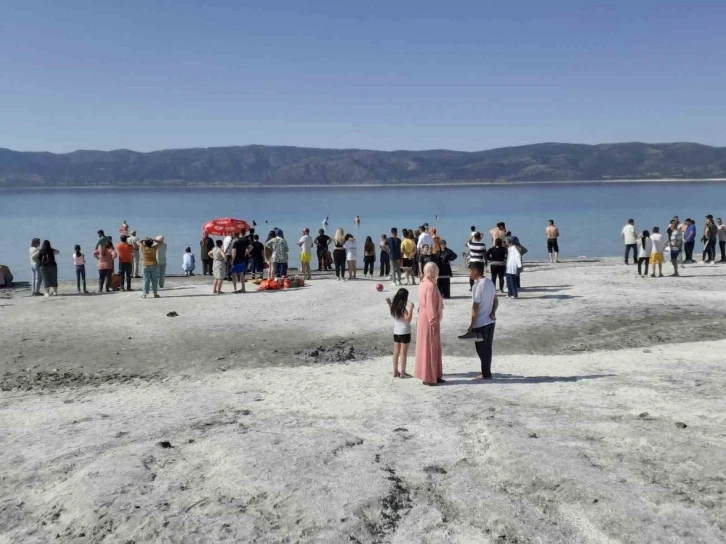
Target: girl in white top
[[351, 255], [79, 260], [402, 313], [645, 248], [514, 264]]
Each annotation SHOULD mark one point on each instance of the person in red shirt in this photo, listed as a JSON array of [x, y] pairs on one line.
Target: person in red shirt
[[125, 253]]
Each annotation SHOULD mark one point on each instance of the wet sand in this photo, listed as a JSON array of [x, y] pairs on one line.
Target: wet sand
[[286, 426]]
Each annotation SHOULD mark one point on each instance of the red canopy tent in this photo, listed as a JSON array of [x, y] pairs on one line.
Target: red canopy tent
[[225, 226]]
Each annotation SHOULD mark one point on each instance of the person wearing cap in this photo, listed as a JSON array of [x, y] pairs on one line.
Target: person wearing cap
[[161, 260]]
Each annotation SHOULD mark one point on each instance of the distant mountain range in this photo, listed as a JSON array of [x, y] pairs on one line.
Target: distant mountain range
[[278, 165]]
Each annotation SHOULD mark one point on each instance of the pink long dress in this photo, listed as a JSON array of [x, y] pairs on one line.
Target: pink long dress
[[428, 333]]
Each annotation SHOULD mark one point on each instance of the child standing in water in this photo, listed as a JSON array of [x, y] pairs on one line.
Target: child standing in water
[[79, 260], [402, 313]]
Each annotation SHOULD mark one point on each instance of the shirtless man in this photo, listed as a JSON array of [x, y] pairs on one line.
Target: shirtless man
[[553, 248]]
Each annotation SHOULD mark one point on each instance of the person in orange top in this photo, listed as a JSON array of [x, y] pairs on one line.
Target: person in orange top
[[125, 261]]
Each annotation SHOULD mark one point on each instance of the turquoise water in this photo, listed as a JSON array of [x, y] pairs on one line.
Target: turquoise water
[[589, 216]]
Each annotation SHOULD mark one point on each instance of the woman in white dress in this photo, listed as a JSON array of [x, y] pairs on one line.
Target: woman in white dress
[[219, 267]]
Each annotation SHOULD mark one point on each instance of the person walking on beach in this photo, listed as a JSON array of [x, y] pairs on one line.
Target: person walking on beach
[[48, 268], [444, 259], [321, 243], [161, 260], [645, 250], [385, 270], [36, 279], [280, 251], [306, 253], [689, 240], [721, 238], [429, 367], [219, 267], [134, 241], [483, 317], [656, 254], [339, 254], [402, 312], [477, 253], [188, 262], [240, 253], [514, 265], [710, 237], [79, 263], [497, 259], [150, 265], [125, 253], [676, 243], [408, 252], [630, 239], [369, 257], [552, 233], [105, 257], [394, 252], [206, 245], [351, 255]]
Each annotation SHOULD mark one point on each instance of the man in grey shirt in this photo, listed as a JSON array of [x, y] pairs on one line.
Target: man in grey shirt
[[161, 259], [134, 241]]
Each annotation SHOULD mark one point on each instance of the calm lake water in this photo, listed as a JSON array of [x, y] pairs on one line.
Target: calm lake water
[[590, 216]]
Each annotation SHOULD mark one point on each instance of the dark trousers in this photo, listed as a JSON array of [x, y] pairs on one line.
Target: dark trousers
[[634, 247], [484, 348], [256, 266], [710, 250], [415, 265], [444, 285], [339, 259], [385, 264], [498, 272], [323, 259], [643, 261], [207, 267], [104, 277], [688, 246], [512, 285], [722, 246], [280, 270], [81, 275], [368, 265], [124, 271]]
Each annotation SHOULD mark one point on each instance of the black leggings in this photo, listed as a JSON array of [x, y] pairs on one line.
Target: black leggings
[[339, 260], [385, 264], [498, 272], [368, 264], [104, 277], [641, 261]]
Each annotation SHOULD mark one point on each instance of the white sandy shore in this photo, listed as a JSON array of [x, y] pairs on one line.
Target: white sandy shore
[[279, 448]]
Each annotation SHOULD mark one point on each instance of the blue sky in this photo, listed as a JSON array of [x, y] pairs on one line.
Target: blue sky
[[379, 74]]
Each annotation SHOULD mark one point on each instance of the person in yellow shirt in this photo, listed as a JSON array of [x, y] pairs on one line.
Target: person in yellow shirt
[[408, 252]]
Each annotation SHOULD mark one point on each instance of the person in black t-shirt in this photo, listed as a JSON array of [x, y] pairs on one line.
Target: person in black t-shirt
[[240, 249], [322, 242], [257, 257]]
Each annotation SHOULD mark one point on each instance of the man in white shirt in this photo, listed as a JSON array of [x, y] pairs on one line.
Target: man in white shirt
[[306, 251], [227, 248], [424, 239], [630, 239], [483, 318]]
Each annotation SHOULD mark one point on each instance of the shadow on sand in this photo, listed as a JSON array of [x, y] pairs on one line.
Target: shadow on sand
[[467, 378]]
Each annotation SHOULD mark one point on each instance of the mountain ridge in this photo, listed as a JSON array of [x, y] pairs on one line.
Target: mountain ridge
[[262, 165]]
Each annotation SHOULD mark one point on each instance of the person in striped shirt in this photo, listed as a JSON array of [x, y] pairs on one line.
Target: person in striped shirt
[[477, 253]]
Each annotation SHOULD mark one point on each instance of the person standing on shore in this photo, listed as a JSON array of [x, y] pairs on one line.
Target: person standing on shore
[[36, 279], [676, 243], [645, 249], [339, 254], [444, 259], [48, 268], [498, 232], [321, 243], [429, 367], [630, 239], [477, 253], [424, 239], [240, 252], [656, 254], [219, 267], [125, 253], [497, 259], [394, 252], [134, 241], [408, 252], [552, 233], [306, 253], [689, 240], [79, 262], [385, 257], [105, 257], [710, 236], [483, 317], [351, 255], [436, 248], [280, 251], [369, 257], [150, 265], [161, 260], [402, 312], [514, 265], [206, 245], [257, 257], [721, 238], [227, 246]]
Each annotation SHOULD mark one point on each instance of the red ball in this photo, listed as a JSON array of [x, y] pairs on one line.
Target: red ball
[[379, 287]]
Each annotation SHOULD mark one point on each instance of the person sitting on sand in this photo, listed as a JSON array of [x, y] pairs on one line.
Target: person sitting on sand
[[219, 266], [188, 262], [428, 331], [656, 254], [402, 312]]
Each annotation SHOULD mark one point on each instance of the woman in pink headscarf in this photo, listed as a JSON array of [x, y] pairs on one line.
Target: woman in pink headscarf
[[428, 331]]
